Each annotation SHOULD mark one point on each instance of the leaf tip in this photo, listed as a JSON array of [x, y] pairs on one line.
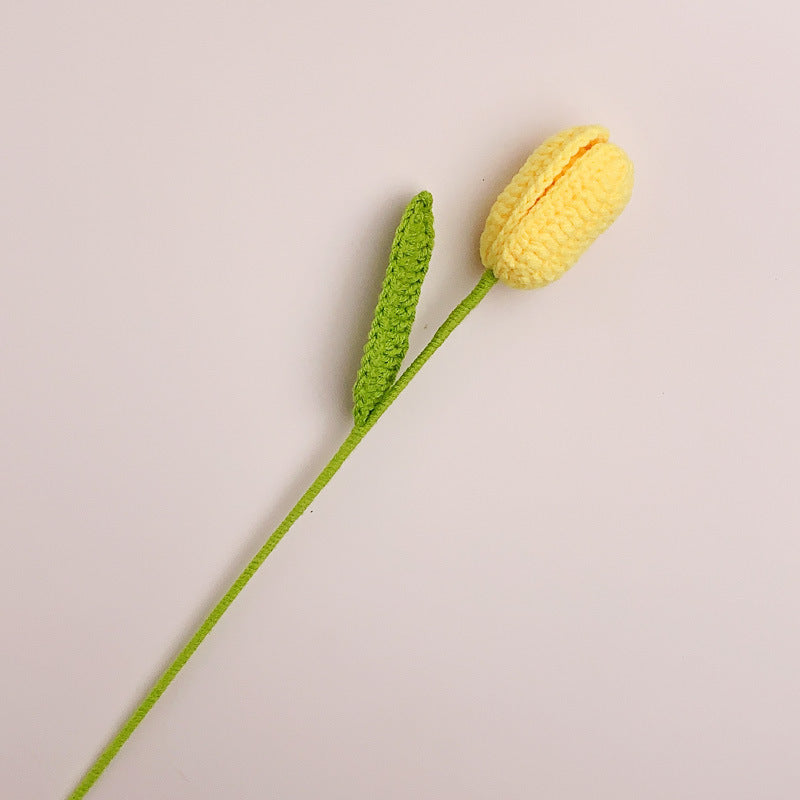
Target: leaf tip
[[423, 200]]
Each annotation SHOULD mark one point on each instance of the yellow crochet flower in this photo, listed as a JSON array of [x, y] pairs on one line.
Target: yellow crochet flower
[[567, 193]]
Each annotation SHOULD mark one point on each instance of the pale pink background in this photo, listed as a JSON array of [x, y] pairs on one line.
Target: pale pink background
[[565, 566]]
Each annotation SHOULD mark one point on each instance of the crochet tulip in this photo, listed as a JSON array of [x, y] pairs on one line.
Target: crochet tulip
[[565, 195]]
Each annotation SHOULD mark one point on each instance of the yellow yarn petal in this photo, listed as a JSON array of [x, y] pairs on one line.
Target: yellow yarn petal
[[567, 193]]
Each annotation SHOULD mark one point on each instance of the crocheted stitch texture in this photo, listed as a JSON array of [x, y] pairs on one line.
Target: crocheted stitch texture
[[387, 343], [567, 193]]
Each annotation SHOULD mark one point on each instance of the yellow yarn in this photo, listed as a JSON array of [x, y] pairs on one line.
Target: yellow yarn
[[567, 193]]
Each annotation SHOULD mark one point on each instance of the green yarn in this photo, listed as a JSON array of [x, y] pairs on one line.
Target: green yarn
[[113, 747], [457, 316], [348, 445], [387, 343]]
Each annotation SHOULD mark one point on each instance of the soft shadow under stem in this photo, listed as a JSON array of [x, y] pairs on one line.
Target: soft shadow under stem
[[353, 438]]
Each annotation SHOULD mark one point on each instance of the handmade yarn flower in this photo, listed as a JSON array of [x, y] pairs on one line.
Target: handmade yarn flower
[[568, 192]]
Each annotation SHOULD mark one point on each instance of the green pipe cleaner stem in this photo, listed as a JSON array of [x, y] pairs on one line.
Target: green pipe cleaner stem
[[348, 445]]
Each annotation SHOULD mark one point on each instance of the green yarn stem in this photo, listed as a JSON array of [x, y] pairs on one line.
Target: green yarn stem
[[354, 437], [456, 317]]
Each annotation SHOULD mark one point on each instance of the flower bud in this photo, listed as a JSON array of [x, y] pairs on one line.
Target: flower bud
[[567, 193]]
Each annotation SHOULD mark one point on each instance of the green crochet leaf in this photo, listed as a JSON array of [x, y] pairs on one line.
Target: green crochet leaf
[[387, 343]]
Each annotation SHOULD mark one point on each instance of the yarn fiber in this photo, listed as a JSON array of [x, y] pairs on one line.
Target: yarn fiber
[[387, 343], [566, 194]]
